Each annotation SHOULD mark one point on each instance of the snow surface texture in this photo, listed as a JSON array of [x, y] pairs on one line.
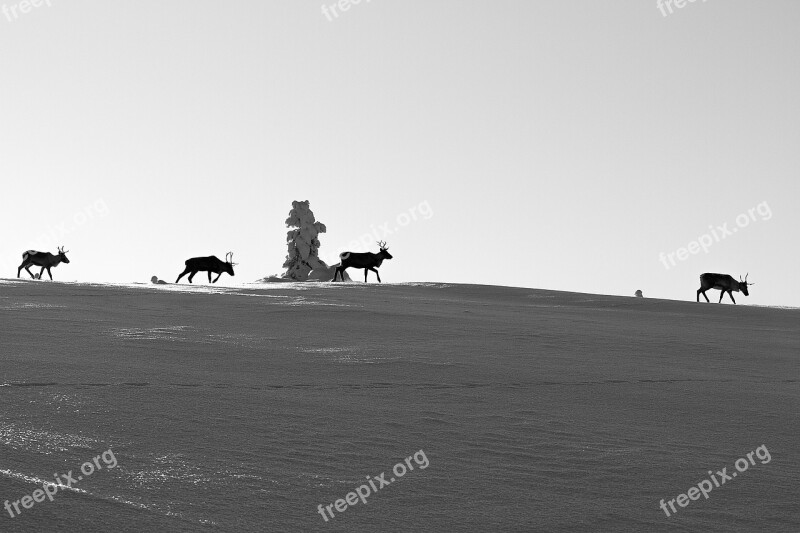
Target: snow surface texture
[[242, 409], [303, 262]]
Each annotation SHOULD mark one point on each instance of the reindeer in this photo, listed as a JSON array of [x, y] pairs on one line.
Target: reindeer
[[368, 261], [724, 283], [208, 264], [46, 260]]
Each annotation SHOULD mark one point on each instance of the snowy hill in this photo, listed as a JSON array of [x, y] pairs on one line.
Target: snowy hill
[[245, 409]]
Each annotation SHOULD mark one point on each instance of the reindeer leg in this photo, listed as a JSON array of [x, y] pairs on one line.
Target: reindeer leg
[[182, 274], [699, 291], [377, 274], [48, 273], [730, 293], [209, 277], [366, 270], [340, 270], [335, 273], [215, 279], [192, 275]]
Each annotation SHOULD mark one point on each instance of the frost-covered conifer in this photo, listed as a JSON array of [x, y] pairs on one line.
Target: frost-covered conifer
[[303, 245]]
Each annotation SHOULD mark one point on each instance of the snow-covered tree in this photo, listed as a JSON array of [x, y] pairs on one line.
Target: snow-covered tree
[[302, 260]]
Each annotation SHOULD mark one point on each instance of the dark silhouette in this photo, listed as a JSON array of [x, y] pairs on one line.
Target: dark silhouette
[[155, 281], [368, 261], [46, 260], [208, 264], [724, 283]]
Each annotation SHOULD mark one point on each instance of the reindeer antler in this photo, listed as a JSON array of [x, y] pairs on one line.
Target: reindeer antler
[[382, 245], [229, 258]]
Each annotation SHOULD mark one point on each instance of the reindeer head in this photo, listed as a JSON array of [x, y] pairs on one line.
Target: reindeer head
[[384, 250], [229, 264], [743, 284], [62, 255]]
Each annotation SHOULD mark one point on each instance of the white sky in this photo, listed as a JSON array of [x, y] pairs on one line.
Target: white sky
[[553, 144]]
